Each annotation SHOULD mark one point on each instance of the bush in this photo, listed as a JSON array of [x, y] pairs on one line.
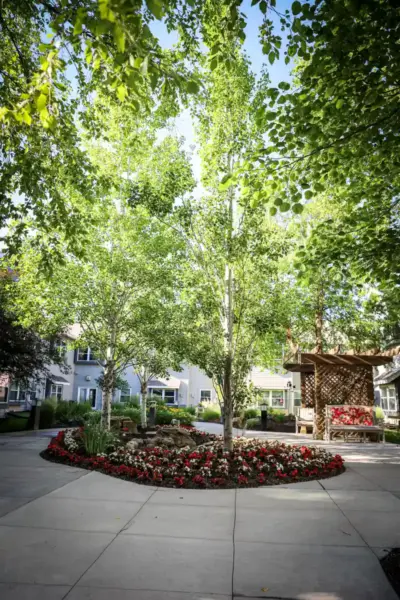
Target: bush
[[165, 416], [96, 439], [92, 417], [251, 413], [48, 413], [134, 402], [68, 412], [190, 409], [118, 409], [379, 414], [254, 424], [133, 414], [211, 415]]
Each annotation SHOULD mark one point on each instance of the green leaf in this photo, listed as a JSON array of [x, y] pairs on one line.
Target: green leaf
[[119, 38], [122, 92], [41, 102], [156, 8], [339, 103], [137, 62], [273, 211], [308, 195], [263, 7], [192, 87], [296, 7], [285, 206], [297, 208], [225, 183], [271, 57]]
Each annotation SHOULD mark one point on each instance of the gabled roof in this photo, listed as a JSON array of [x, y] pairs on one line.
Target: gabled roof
[[387, 377]]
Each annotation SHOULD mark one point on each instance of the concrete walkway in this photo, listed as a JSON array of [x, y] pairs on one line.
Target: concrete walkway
[[66, 533]]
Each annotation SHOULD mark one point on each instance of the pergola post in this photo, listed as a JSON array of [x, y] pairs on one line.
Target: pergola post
[[319, 416]]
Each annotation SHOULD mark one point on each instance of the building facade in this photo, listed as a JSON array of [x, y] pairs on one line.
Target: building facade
[[188, 387]]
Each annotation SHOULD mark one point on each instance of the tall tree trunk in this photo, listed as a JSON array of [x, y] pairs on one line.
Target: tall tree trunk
[[319, 418], [228, 404], [143, 402], [319, 322], [108, 385]]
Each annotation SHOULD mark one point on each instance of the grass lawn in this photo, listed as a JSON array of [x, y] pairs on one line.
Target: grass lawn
[[392, 436], [13, 423]]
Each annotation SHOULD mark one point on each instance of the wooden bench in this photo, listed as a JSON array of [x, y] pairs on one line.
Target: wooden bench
[[305, 420], [351, 420]]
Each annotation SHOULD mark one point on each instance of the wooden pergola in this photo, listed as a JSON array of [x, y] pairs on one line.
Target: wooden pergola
[[334, 379]]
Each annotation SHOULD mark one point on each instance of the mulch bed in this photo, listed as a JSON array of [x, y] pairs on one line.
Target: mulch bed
[[391, 565]]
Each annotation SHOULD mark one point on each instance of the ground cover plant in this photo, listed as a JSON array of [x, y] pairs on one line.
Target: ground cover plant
[[251, 463]]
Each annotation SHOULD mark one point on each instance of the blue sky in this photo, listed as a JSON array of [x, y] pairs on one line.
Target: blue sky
[[277, 72]]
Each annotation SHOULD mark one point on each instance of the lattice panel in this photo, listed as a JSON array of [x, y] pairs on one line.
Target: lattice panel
[[307, 390], [339, 385]]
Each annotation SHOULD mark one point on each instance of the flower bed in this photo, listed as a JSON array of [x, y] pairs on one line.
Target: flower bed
[[252, 463]]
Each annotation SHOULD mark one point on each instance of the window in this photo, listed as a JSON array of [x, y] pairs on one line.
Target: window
[[277, 399], [388, 398], [125, 395], [56, 391], [168, 395], [87, 395], [205, 395], [17, 394], [86, 354]]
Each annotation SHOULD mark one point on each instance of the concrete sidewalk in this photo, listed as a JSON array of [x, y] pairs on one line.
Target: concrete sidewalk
[[66, 533]]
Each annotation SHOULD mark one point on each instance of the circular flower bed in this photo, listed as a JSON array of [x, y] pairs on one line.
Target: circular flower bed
[[252, 462]]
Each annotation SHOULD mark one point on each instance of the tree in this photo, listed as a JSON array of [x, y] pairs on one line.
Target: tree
[[334, 131], [231, 286], [24, 355], [114, 294]]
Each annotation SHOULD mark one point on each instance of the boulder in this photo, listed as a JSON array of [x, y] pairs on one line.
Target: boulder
[[165, 441], [179, 437], [133, 445]]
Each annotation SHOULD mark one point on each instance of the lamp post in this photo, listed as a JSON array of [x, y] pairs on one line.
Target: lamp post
[[264, 416], [152, 412]]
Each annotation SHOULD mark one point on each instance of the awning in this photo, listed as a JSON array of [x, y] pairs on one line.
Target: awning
[[387, 377], [305, 362], [58, 380], [164, 382]]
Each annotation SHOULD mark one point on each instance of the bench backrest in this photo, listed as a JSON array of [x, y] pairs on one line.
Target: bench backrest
[[350, 415], [306, 414]]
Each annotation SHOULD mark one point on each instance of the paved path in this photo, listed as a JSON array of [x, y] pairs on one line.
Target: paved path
[[66, 533]]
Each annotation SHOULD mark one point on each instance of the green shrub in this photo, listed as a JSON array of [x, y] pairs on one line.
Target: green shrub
[[164, 417], [92, 417], [251, 413], [48, 413], [69, 411], [254, 424], [134, 402], [96, 439], [190, 409], [133, 414], [118, 409], [211, 415], [14, 423], [379, 414], [279, 417]]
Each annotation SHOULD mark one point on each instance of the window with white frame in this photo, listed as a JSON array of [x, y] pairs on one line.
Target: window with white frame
[[87, 395], [274, 398], [125, 395], [61, 347], [388, 398], [17, 393], [56, 391], [166, 394], [205, 395], [86, 355]]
